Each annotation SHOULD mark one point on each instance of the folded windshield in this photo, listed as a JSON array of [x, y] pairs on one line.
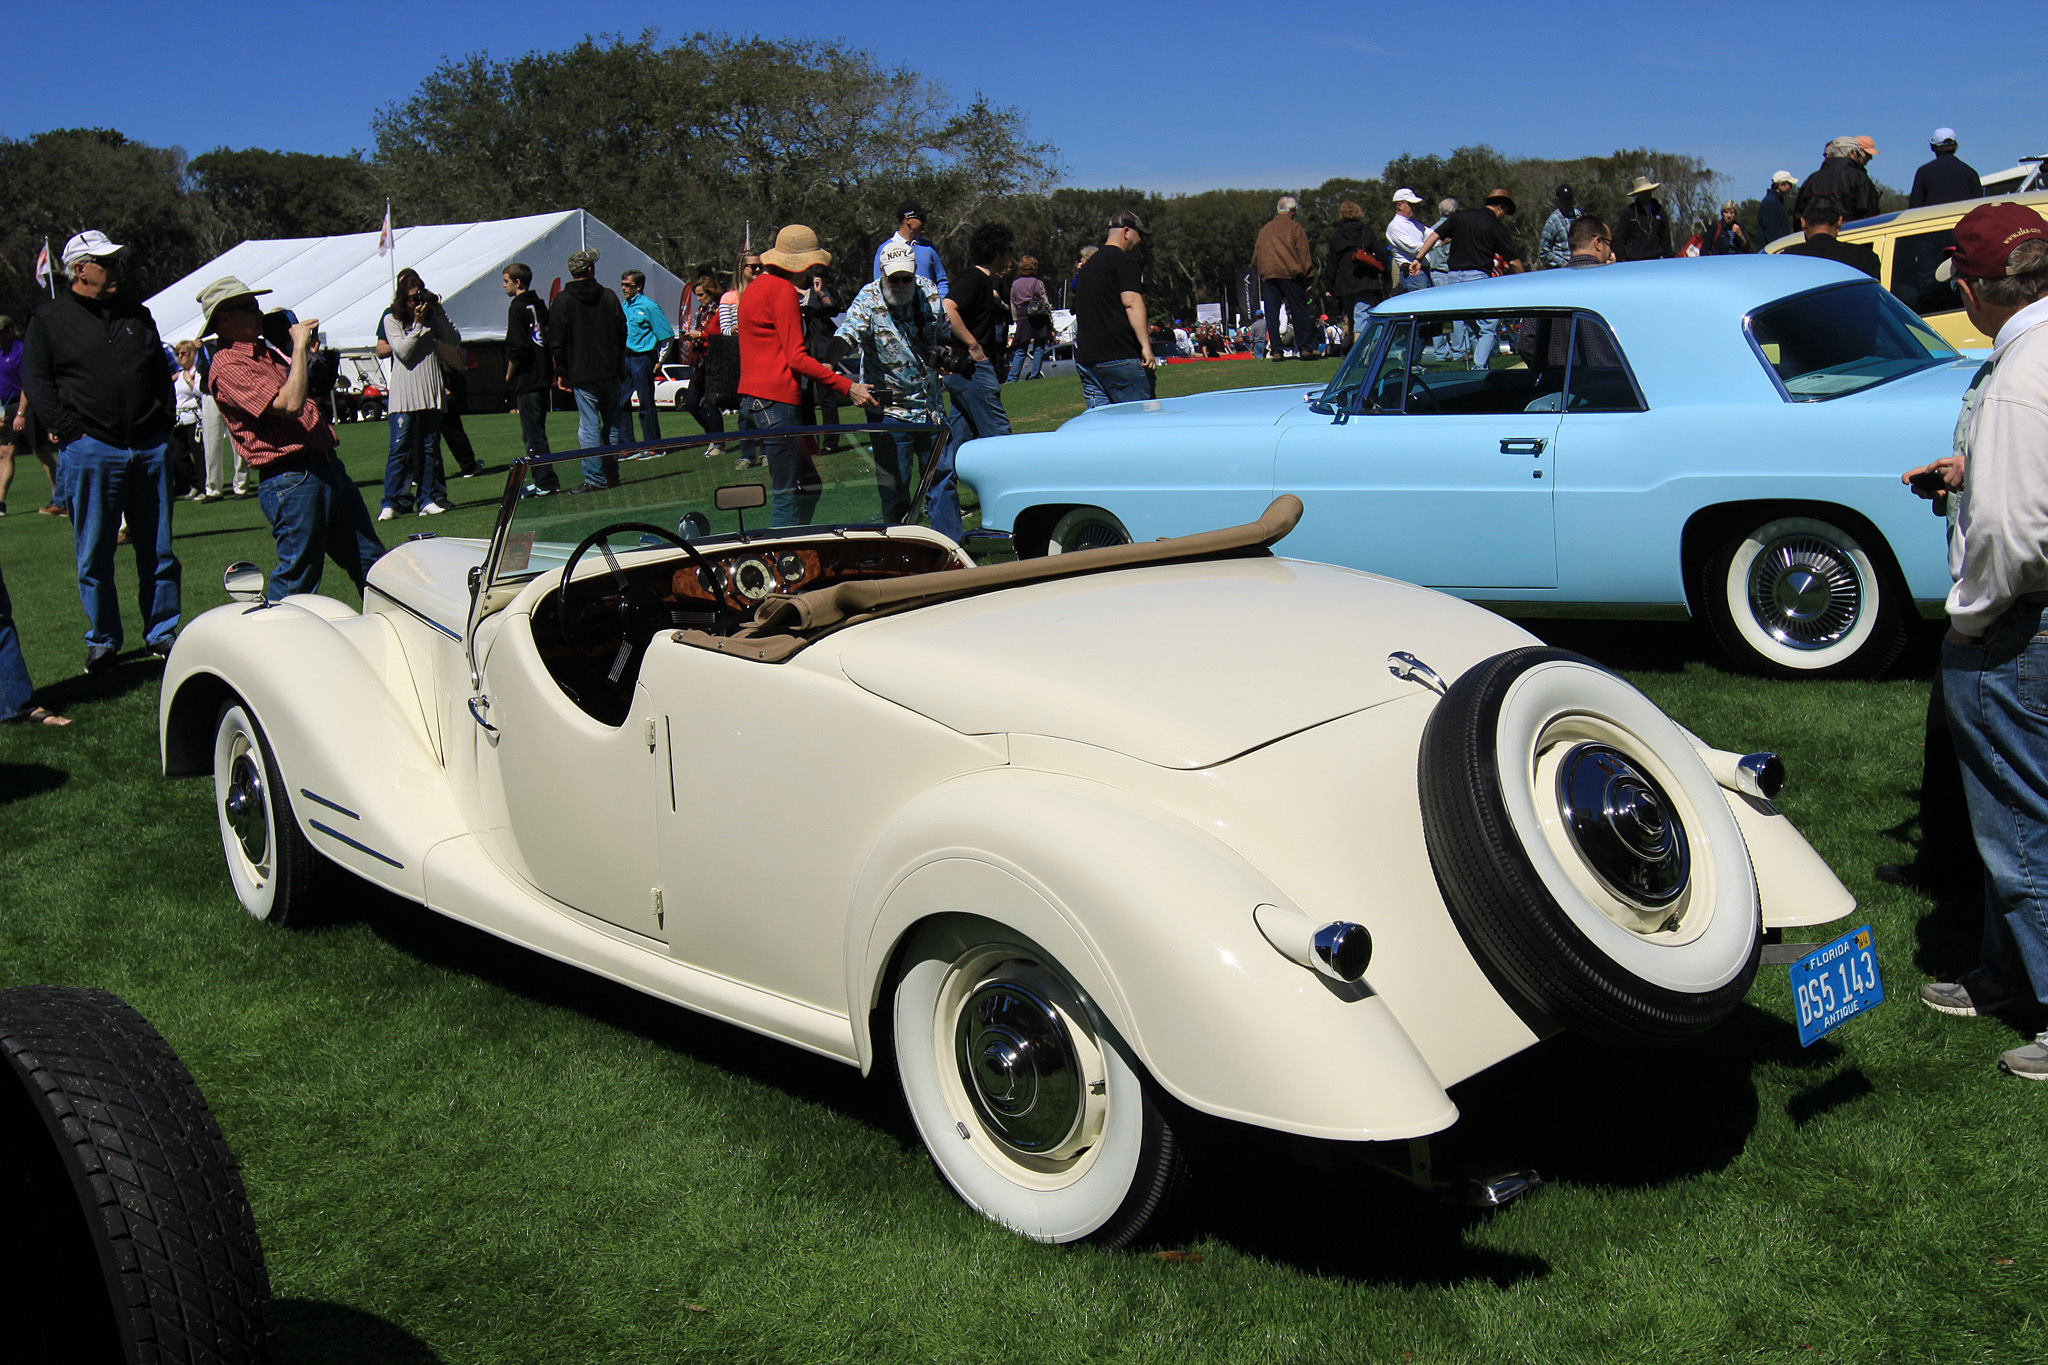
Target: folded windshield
[[835, 477], [1843, 340]]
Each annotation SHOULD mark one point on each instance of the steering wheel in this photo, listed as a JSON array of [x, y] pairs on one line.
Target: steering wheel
[[640, 609], [1416, 381]]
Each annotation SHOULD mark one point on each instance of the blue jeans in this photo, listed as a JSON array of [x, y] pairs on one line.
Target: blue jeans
[[316, 513], [977, 411], [105, 482], [1477, 343], [1033, 351], [1404, 282], [414, 462], [1997, 693], [15, 688], [640, 380], [601, 421], [1116, 381], [793, 483], [1361, 314]]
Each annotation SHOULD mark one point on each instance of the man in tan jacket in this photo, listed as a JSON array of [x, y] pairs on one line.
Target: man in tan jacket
[[1284, 265]]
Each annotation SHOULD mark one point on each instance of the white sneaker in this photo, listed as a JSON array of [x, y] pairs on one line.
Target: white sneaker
[[431, 509], [386, 515]]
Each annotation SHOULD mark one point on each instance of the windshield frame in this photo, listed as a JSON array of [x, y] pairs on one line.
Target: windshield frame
[[1912, 320]]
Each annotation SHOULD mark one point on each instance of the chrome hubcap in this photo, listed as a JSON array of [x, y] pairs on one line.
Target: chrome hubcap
[[244, 806], [1095, 535], [1019, 1069], [1623, 826], [1805, 592]]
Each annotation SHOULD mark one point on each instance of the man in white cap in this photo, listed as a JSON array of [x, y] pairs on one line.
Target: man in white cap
[[1945, 179], [265, 397], [1773, 212], [1405, 233], [97, 374]]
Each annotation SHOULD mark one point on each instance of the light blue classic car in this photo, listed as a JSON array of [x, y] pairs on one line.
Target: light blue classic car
[[1719, 437]]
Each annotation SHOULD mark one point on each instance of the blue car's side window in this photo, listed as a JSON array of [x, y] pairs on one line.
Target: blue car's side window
[[1599, 380]]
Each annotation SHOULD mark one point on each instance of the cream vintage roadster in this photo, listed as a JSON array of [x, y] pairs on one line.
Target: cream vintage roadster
[[1072, 845]]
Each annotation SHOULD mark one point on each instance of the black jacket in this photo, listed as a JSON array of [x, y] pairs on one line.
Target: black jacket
[[1772, 220], [1842, 180], [526, 343], [1944, 180], [96, 367], [1830, 248], [1344, 275], [587, 334], [1722, 241], [1643, 234]]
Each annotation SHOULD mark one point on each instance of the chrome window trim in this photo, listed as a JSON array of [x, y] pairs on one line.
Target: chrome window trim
[[412, 611], [1756, 347]]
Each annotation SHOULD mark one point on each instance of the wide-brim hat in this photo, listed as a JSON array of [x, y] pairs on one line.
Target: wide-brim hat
[[1502, 197], [1645, 185], [796, 248], [226, 289]]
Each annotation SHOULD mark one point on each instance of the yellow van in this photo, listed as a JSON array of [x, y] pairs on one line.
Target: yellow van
[[1909, 244]]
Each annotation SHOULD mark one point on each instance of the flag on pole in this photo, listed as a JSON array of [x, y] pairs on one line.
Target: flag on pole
[[384, 238], [43, 264]]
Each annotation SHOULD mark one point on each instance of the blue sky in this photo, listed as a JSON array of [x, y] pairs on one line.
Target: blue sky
[[1165, 97]]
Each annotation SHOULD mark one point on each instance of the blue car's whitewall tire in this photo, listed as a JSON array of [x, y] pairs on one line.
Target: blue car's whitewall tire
[[1024, 1098], [1086, 528], [1801, 597]]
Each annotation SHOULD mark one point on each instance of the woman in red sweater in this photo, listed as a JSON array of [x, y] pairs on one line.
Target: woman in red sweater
[[772, 355]]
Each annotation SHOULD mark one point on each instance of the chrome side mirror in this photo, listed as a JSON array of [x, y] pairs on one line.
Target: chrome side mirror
[[243, 582]]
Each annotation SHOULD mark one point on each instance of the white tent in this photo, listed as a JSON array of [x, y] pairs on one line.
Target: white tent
[[344, 282]]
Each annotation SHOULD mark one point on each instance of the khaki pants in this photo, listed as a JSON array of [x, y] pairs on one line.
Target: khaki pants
[[213, 430]]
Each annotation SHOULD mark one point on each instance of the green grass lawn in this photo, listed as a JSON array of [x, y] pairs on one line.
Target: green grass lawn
[[462, 1152]]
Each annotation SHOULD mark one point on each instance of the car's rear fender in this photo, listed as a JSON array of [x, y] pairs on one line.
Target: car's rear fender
[[364, 783], [1154, 920]]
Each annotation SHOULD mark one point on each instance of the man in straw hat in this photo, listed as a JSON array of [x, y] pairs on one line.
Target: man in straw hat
[[772, 355], [1998, 610], [95, 370], [1644, 233], [315, 510]]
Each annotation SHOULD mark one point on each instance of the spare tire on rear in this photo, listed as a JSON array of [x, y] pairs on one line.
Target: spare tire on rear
[[1587, 856]]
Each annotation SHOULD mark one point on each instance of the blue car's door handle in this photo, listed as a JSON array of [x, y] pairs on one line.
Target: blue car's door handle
[[1527, 445]]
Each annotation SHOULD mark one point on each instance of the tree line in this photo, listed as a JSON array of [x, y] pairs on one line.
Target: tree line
[[688, 147]]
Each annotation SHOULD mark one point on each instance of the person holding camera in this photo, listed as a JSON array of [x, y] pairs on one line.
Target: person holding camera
[[417, 336], [265, 396], [898, 327]]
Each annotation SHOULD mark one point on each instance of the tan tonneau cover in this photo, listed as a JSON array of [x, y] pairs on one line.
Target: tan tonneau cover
[[784, 623]]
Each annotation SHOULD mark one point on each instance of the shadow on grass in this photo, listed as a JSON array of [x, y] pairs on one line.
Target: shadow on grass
[[316, 1333], [133, 668], [19, 781], [456, 947], [1632, 646]]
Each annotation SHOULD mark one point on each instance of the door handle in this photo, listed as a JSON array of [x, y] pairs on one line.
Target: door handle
[[478, 705], [1526, 445]]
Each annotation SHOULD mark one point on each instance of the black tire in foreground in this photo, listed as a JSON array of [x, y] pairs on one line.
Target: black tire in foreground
[[128, 1235], [1585, 852]]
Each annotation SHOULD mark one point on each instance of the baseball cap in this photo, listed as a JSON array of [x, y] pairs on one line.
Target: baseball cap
[[1124, 218], [1985, 238], [585, 259], [1942, 135], [89, 244], [1564, 191], [1784, 178], [910, 209], [1404, 195], [899, 258], [1867, 145]]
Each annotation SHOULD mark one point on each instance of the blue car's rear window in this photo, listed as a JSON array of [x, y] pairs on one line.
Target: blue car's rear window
[[1841, 341]]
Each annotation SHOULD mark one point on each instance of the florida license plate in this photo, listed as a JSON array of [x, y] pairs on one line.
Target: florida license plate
[[1834, 983]]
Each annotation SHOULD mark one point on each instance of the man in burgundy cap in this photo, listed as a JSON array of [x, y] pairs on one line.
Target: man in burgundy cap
[[1995, 658]]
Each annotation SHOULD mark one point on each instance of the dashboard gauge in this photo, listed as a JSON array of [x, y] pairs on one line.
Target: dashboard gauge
[[789, 567], [751, 578]]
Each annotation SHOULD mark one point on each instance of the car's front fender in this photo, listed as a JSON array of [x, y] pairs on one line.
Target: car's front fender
[[1153, 918], [363, 782]]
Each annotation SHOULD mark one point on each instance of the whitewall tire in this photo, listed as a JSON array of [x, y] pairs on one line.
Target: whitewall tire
[[1801, 597], [1026, 1100], [1086, 528], [269, 861]]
